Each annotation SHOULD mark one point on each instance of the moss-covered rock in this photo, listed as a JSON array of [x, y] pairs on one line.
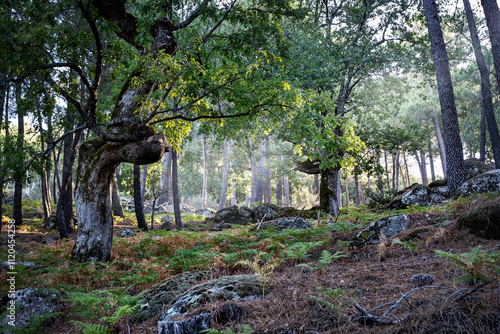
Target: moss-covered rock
[[488, 182], [164, 293], [390, 226], [416, 194], [235, 215], [483, 222], [266, 211], [228, 288], [281, 224], [474, 167], [292, 212]]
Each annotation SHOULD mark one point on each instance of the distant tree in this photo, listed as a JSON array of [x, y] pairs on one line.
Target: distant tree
[[138, 199]]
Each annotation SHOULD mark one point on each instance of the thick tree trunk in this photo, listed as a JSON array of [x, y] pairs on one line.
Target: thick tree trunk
[[492, 15], [316, 184], [175, 188], [487, 101], [328, 199], [482, 136], [17, 210], [97, 163], [225, 175], [453, 143], [138, 199], [116, 199], [442, 149]]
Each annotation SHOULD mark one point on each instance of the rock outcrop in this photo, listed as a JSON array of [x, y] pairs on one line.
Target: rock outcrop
[[416, 194], [475, 167], [229, 288], [390, 226], [283, 223], [488, 182], [232, 215], [483, 222], [154, 299]]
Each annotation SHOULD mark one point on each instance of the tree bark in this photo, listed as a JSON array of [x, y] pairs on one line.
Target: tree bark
[[442, 149], [116, 199], [346, 192], [482, 136], [175, 187], [97, 164], [431, 157], [166, 186], [3, 102], [453, 142], [407, 171], [380, 181], [64, 212], [17, 210], [286, 191], [492, 15], [144, 179], [328, 199], [357, 199], [204, 186], [139, 199], [396, 172], [225, 175], [487, 101], [45, 174], [261, 173]]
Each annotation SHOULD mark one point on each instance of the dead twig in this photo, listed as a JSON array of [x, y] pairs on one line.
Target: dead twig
[[369, 319]]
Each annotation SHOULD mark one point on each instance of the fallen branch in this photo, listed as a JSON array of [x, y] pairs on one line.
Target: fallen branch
[[369, 319]]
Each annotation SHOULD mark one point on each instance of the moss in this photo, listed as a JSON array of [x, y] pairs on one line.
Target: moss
[[483, 222]]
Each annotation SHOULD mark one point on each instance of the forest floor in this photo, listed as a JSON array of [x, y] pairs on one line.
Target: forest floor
[[367, 290]]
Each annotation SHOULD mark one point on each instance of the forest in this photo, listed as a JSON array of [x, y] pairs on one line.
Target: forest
[[245, 166]]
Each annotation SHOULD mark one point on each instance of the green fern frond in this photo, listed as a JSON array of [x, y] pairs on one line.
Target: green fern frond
[[90, 328]]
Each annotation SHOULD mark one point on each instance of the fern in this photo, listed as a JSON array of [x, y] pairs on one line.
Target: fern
[[478, 265], [245, 329], [326, 259], [299, 249], [263, 270], [90, 328], [336, 296], [411, 246], [119, 313]]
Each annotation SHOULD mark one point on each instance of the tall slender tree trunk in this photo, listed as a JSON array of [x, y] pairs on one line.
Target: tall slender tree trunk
[[357, 199], [387, 172], [116, 199], [487, 101], [261, 173], [492, 15], [431, 156], [175, 188], [17, 210], [56, 185], [380, 181], [396, 172], [442, 149], [407, 171], [482, 136], [286, 191], [453, 142], [144, 179], [225, 175], [139, 199], [44, 176], [422, 165], [64, 213], [166, 186], [253, 167], [346, 192], [204, 186]]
